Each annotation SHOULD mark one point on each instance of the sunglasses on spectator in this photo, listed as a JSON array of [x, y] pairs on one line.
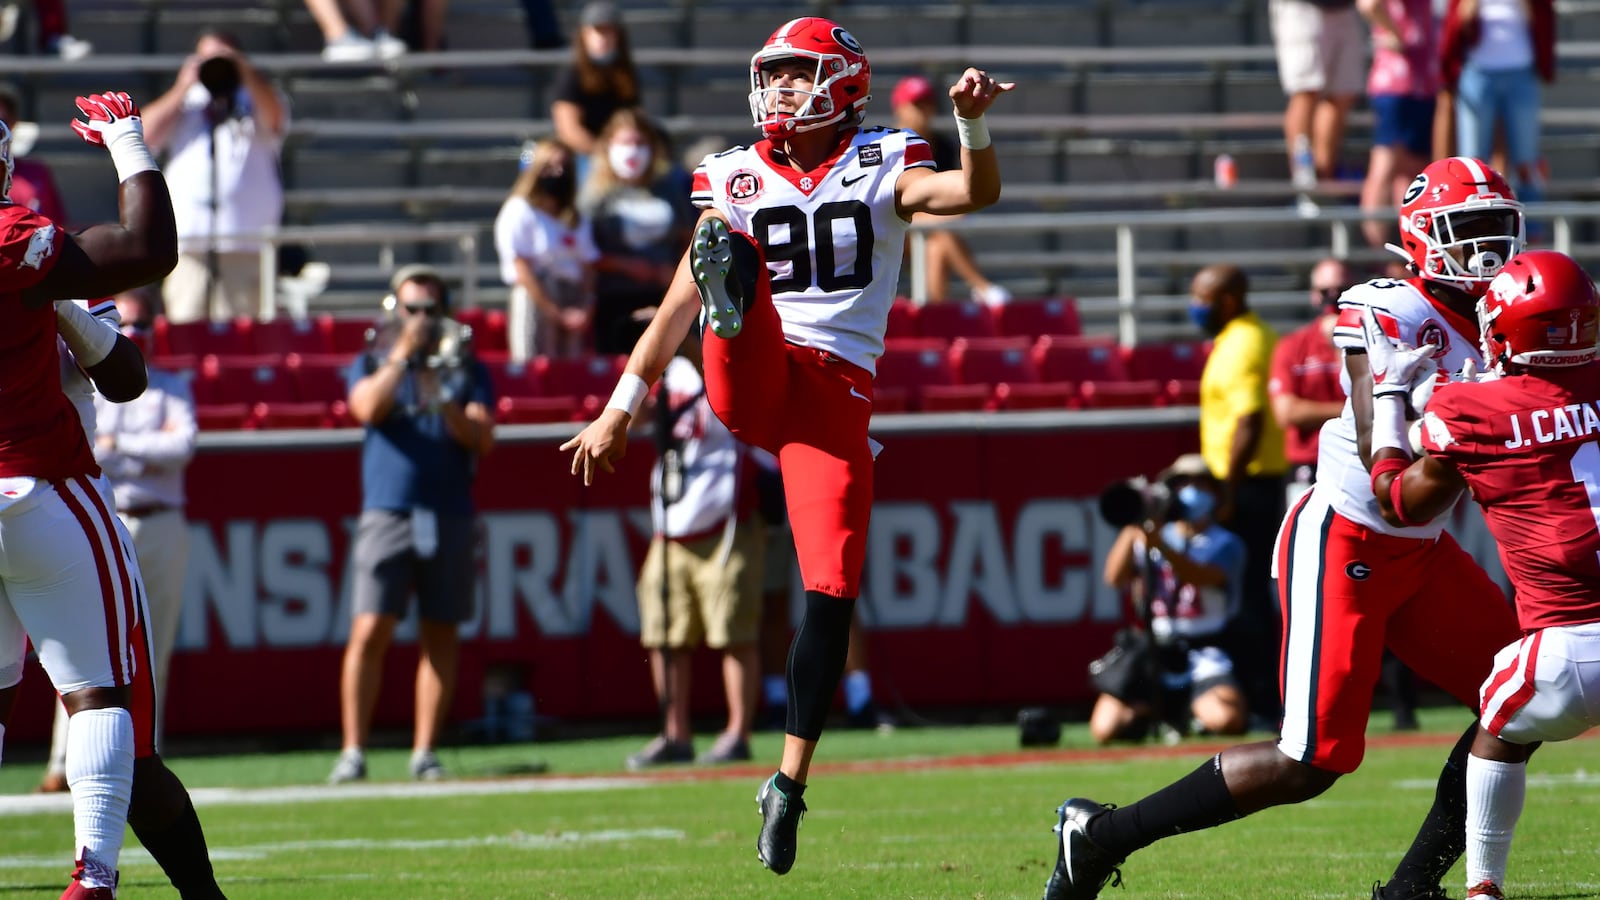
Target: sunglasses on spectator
[[431, 309]]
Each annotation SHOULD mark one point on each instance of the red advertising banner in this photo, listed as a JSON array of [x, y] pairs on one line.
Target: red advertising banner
[[982, 584]]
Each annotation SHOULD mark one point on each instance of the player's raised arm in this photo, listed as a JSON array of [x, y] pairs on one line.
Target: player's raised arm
[[112, 361], [142, 247], [977, 183]]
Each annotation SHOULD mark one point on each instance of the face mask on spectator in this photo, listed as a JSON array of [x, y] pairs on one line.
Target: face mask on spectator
[[560, 185], [1198, 503], [629, 160], [1204, 318]]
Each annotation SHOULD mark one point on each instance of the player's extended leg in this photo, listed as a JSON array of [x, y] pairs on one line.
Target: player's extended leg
[[746, 368], [827, 466]]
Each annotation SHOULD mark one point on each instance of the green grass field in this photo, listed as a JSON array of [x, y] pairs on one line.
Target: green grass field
[[919, 813]]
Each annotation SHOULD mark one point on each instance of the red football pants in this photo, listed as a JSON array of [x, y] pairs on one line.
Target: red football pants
[[811, 409], [1346, 593]]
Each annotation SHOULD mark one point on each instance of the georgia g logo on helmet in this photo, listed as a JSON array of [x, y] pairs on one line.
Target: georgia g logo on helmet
[[1415, 188]]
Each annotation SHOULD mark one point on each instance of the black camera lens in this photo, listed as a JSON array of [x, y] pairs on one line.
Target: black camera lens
[[220, 76]]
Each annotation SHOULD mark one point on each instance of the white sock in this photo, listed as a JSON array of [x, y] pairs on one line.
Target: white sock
[[100, 774], [1495, 793]]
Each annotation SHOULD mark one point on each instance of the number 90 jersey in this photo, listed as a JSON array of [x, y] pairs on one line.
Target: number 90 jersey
[[832, 236]]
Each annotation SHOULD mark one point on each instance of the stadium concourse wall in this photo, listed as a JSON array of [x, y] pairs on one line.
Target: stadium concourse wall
[[982, 587]]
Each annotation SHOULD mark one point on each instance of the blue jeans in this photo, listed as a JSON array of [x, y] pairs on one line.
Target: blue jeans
[[1509, 97]]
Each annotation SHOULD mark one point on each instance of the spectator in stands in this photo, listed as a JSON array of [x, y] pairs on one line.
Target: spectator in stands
[[426, 430], [1401, 88], [544, 29], [355, 30], [53, 37], [32, 184], [424, 25], [547, 256], [640, 218], [600, 81], [221, 125], [1494, 53], [1305, 388], [1320, 54], [701, 580], [1190, 572], [1243, 445], [143, 446], [915, 103]]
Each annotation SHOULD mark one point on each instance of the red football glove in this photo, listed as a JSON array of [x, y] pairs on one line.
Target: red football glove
[[110, 115]]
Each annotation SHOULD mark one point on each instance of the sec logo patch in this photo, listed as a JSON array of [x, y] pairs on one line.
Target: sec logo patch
[[1358, 571], [744, 186]]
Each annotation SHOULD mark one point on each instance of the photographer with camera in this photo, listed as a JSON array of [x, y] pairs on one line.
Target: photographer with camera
[[426, 404], [1186, 574], [221, 126]]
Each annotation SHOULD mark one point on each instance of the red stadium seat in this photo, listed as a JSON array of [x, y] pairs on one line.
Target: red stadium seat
[[584, 376], [1183, 393], [318, 378], [1049, 395], [911, 369], [493, 337], [993, 360], [222, 416], [513, 379], [290, 415], [243, 379], [1076, 358], [956, 397], [1119, 394], [287, 335], [1177, 359], [529, 410], [902, 319], [953, 319], [232, 338], [890, 400], [187, 365], [347, 335], [1031, 318]]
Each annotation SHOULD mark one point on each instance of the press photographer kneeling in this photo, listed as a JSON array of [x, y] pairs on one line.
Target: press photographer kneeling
[[1185, 576]]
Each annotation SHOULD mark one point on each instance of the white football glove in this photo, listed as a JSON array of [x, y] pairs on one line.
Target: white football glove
[[111, 120], [1470, 372], [1396, 368]]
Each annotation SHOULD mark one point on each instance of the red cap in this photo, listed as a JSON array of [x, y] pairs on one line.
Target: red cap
[[912, 89]]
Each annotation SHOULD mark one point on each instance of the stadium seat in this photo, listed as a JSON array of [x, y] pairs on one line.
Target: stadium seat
[[1176, 359], [1048, 395], [319, 378], [993, 360], [1183, 393], [1076, 358], [1031, 318], [290, 415], [493, 338], [513, 379], [953, 319], [1119, 394], [347, 335], [289, 335], [221, 416], [243, 379], [231, 338], [530, 410], [890, 400], [912, 368], [187, 365], [583, 376], [902, 319], [956, 397]]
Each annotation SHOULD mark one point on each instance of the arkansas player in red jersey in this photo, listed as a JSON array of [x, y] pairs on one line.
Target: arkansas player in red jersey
[[1527, 445], [66, 579], [793, 266]]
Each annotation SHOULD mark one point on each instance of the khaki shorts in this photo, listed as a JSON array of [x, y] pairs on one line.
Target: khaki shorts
[[719, 604], [1322, 51], [238, 288]]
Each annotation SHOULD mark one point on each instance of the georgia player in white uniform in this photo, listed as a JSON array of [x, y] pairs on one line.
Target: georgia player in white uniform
[[793, 266]]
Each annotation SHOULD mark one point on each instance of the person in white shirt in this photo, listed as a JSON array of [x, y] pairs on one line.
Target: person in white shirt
[[221, 125], [547, 256]]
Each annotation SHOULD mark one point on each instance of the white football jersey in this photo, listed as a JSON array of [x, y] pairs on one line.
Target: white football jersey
[[74, 383], [1407, 315], [832, 237]]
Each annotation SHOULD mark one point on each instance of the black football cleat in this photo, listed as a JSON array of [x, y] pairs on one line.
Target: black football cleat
[[1379, 892], [780, 820], [725, 267], [1082, 868]]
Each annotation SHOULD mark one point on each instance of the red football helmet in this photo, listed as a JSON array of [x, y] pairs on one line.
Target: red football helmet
[[1541, 310], [1459, 223], [838, 86]]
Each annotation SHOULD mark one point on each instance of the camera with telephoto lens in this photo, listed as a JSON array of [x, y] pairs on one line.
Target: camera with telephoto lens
[[1139, 500], [220, 77], [447, 352]]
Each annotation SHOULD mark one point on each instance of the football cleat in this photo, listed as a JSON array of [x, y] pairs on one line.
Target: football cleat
[[1082, 867], [1485, 889], [95, 870], [780, 820], [1379, 892], [724, 272]]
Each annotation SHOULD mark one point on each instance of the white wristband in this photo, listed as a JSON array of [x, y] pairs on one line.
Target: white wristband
[[1389, 423], [629, 395], [90, 339], [973, 133], [130, 155]]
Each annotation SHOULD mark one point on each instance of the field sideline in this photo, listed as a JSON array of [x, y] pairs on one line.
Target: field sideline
[[934, 812]]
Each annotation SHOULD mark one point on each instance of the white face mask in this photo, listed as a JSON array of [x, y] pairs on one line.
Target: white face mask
[[628, 160]]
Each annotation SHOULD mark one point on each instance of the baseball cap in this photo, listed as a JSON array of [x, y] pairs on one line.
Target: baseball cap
[[600, 12], [912, 89]]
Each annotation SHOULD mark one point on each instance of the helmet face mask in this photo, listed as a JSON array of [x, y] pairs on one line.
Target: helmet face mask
[[1460, 224], [1540, 311], [839, 77]]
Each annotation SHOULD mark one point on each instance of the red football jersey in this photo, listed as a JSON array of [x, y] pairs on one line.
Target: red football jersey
[[40, 435], [1529, 448]]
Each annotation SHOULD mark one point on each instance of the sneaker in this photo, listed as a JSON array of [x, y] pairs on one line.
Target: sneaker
[[993, 295], [714, 256], [425, 766], [780, 820], [387, 46], [352, 766], [349, 47], [69, 48], [1485, 889], [1379, 892], [660, 752], [1082, 868], [727, 749]]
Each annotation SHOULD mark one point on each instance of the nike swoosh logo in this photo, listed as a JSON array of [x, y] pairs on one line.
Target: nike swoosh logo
[[849, 181], [856, 393]]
